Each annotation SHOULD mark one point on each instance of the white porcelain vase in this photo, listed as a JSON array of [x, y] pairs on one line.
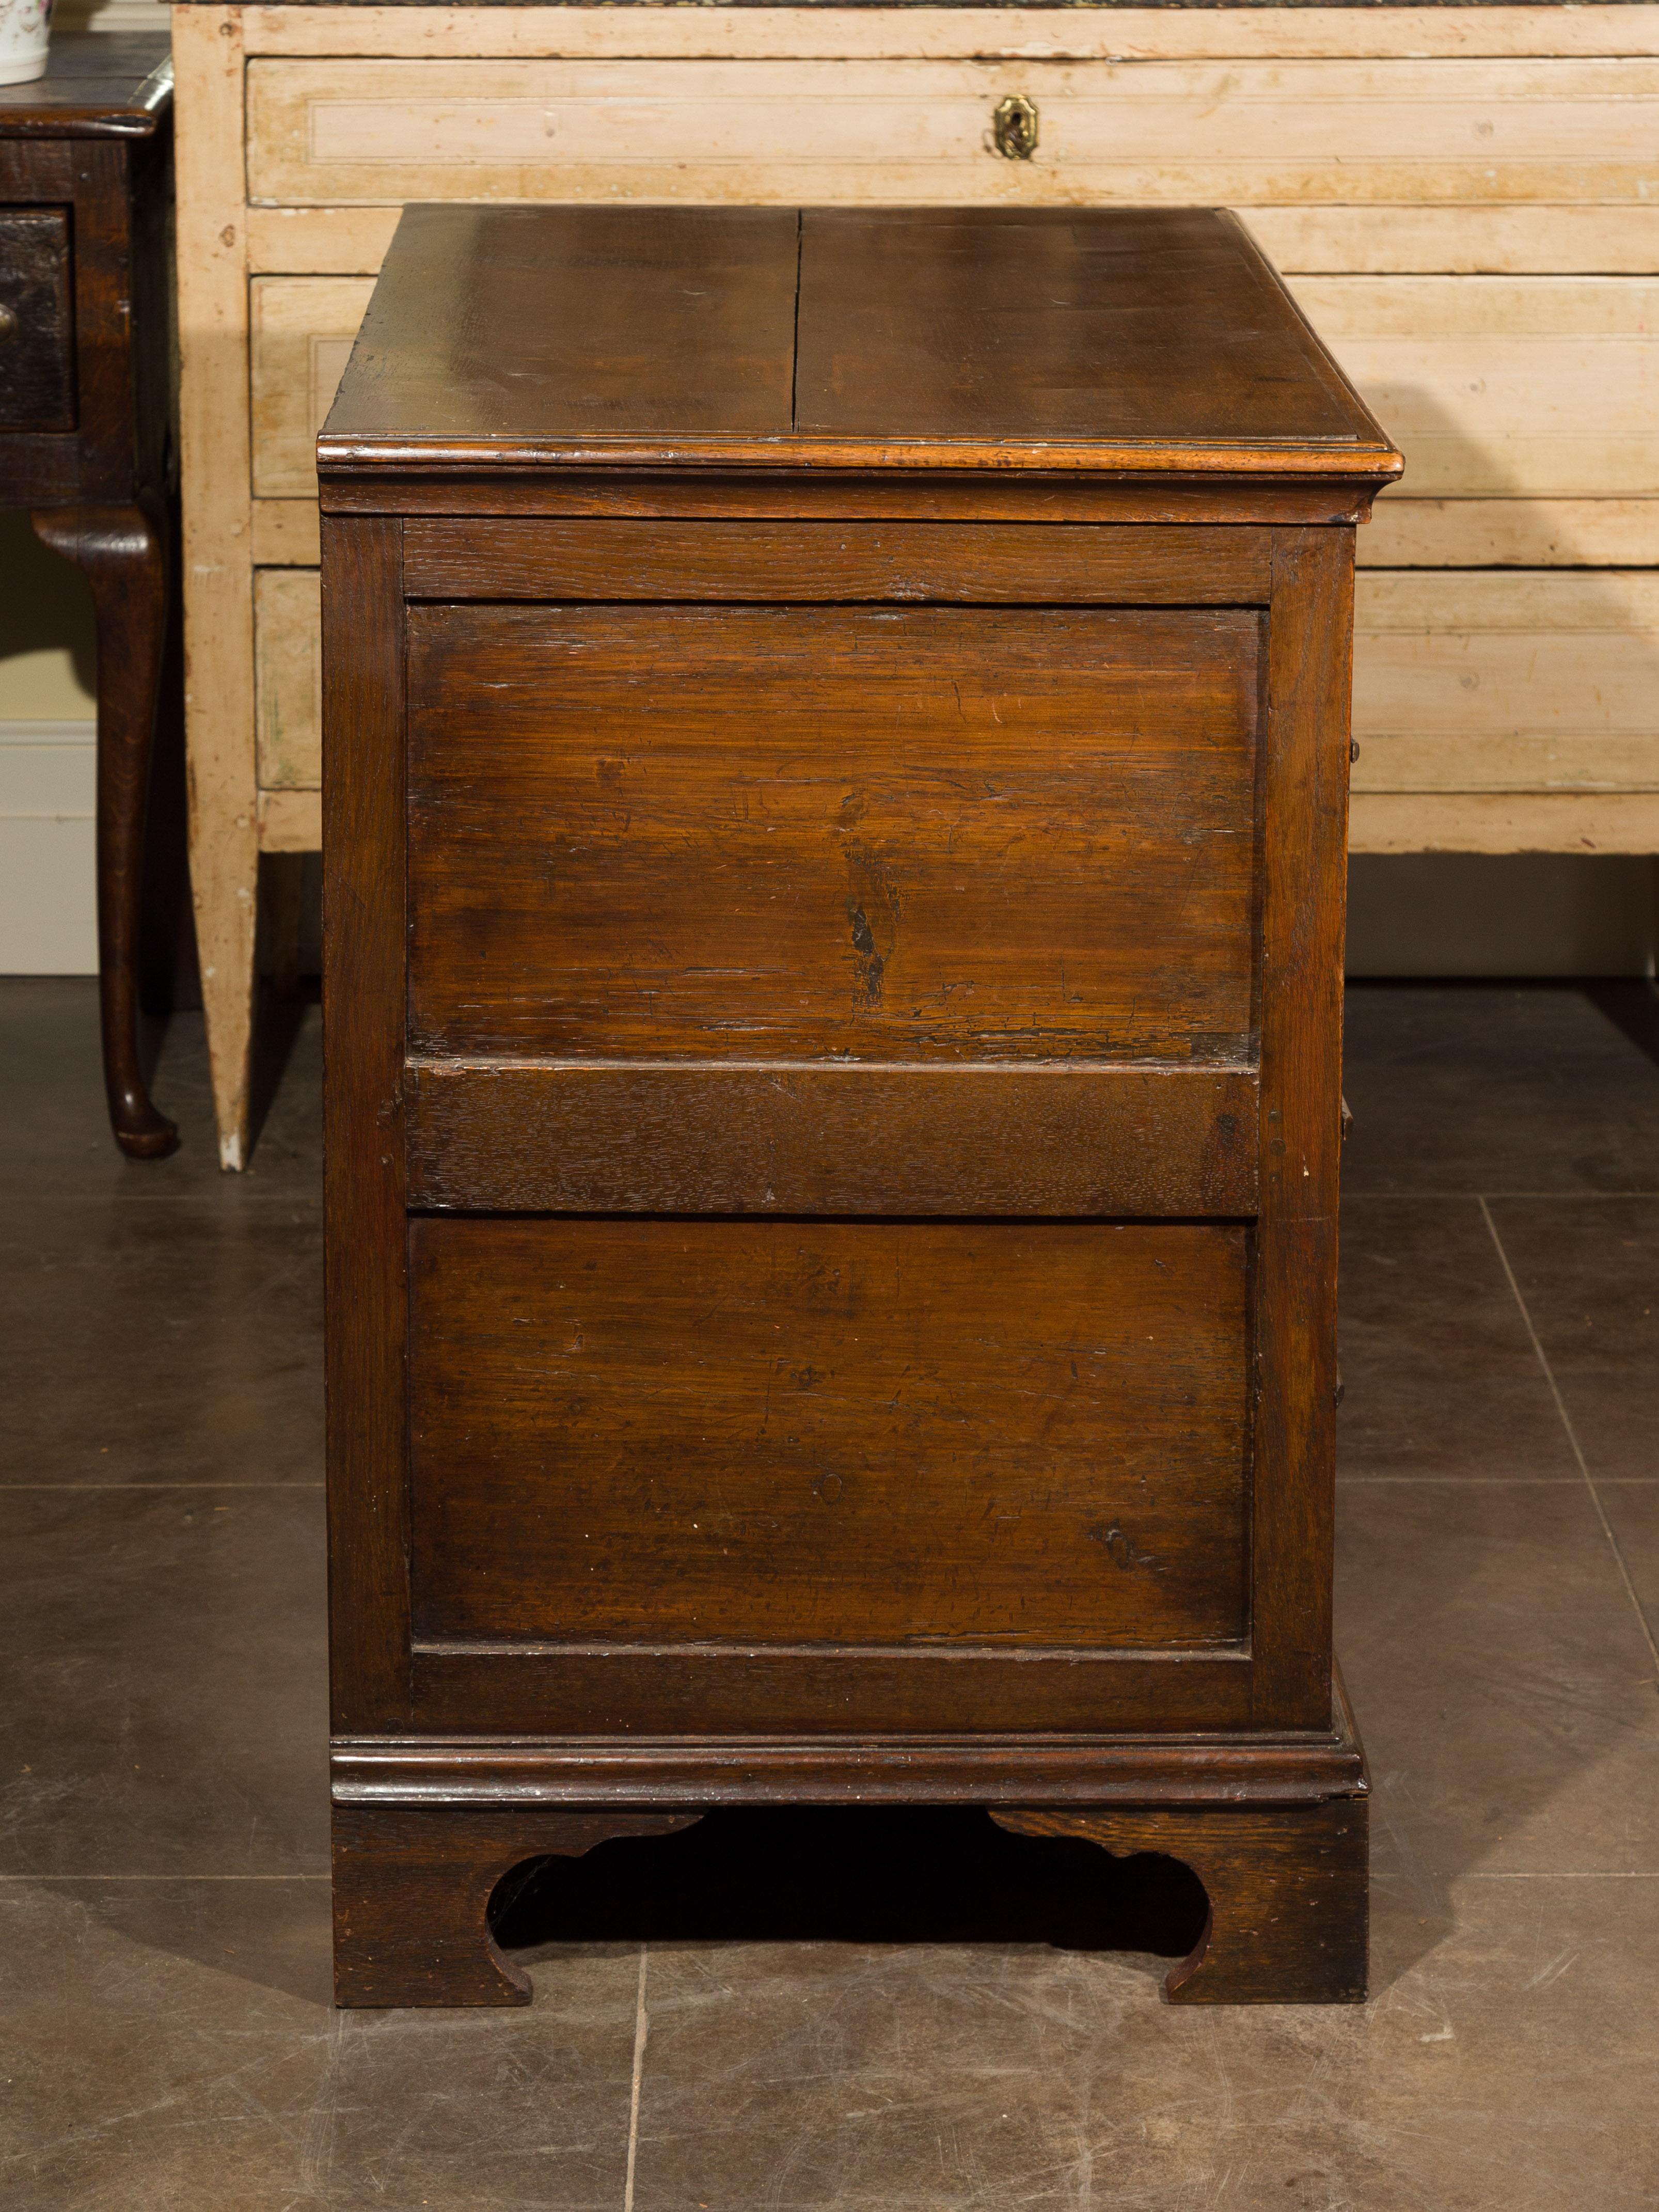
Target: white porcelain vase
[[25, 35]]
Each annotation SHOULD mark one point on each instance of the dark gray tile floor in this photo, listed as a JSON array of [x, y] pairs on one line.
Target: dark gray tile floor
[[164, 2023]]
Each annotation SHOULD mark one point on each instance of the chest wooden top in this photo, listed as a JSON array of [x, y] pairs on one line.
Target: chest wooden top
[[1141, 340]]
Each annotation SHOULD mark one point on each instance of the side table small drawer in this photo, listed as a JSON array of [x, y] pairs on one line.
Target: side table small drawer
[[302, 332], [37, 319]]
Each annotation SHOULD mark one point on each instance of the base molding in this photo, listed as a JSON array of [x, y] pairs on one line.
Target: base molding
[[1273, 1826], [1268, 1768]]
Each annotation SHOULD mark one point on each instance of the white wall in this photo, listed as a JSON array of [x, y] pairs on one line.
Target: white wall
[[47, 760]]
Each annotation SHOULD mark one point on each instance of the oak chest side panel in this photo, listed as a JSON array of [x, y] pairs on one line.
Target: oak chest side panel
[[928, 835], [749, 1432]]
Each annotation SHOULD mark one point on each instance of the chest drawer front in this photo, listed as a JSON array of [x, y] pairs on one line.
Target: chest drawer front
[[301, 334], [937, 834], [37, 319], [287, 678], [1239, 132], [859, 1433], [1542, 387]]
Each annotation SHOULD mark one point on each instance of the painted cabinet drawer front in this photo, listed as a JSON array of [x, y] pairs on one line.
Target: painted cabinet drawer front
[[1506, 683], [1537, 387], [1522, 240], [757, 1432], [37, 319], [1243, 133], [289, 679], [939, 835], [300, 336]]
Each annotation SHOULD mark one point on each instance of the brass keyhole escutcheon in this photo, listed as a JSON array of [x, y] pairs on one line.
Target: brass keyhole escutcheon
[[8, 321], [1014, 128]]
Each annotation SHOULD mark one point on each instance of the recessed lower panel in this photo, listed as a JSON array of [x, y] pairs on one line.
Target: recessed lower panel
[[1015, 1433]]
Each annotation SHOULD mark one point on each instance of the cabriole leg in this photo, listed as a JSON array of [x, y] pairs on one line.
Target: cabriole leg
[[124, 555]]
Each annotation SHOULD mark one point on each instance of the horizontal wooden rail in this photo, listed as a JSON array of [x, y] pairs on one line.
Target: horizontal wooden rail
[[714, 1692], [784, 1137], [831, 560]]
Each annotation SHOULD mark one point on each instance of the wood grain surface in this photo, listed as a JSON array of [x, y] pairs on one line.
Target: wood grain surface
[[1289, 1906], [86, 432], [37, 301], [215, 466], [1053, 563], [1012, 325], [412, 1889], [287, 678], [1619, 27], [1138, 1768], [838, 1099], [803, 130], [111, 84], [1303, 894], [365, 1287], [980, 338], [300, 331], [748, 1432], [934, 834], [982, 1138], [840, 1695], [677, 321]]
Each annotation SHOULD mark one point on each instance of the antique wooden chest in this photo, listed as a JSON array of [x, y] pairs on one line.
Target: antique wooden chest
[[836, 763]]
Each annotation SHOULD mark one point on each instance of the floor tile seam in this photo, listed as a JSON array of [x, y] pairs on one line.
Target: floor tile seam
[[100, 1488], [1613, 1543], [1471, 1481], [642, 2031], [307, 1196], [1574, 1197], [1358, 1191]]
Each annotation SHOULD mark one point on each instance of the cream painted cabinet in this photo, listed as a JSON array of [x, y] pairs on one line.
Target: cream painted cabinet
[[1465, 199]]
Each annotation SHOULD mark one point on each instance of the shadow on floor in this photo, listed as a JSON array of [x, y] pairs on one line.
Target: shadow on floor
[[279, 1017], [862, 1874], [1633, 1010]]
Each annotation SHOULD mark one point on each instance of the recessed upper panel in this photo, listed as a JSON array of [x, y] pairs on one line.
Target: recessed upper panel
[[1121, 338], [933, 834]]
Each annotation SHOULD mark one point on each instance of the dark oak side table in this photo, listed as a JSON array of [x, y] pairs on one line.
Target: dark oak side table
[[836, 767], [85, 438]]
